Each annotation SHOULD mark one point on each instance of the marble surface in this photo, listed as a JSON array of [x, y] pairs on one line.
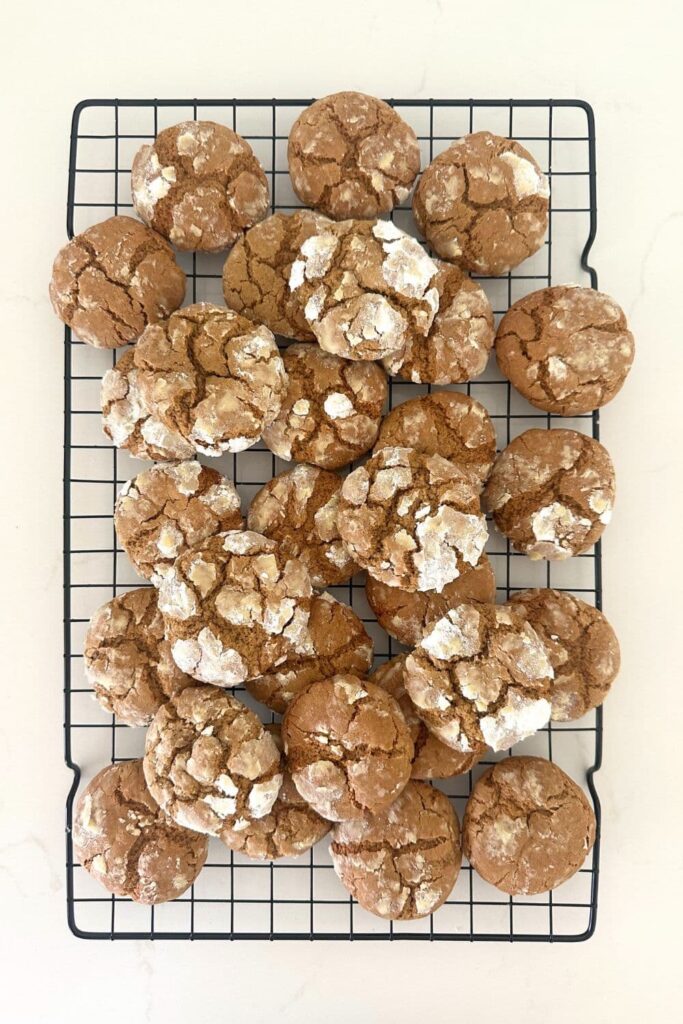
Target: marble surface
[[623, 58]]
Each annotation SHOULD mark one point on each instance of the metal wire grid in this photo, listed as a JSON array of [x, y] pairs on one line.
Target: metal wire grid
[[235, 898]]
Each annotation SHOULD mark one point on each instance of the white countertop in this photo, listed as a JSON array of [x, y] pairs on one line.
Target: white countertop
[[621, 57]]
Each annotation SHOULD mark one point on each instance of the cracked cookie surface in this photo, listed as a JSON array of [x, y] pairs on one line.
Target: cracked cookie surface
[[200, 185], [114, 279], [347, 747], [551, 493], [402, 863], [568, 350], [483, 204], [126, 842], [528, 827]]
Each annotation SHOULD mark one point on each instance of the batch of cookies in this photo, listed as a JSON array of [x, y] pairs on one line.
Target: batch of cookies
[[242, 601]]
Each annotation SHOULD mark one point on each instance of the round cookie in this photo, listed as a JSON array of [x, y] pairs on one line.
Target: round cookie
[[551, 493], [125, 842], [406, 616], [170, 507], [332, 410], [337, 643], [481, 674], [527, 827], [411, 520], [200, 185], [459, 342], [483, 204], [114, 279], [352, 155], [128, 661], [401, 863], [210, 763], [365, 287], [212, 377], [445, 423], [568, 350], [256, 272], [582, 647], [432, 758], [347, 747], [234, 607]]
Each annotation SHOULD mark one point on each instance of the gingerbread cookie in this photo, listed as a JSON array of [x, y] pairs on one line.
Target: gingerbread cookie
[[551, 493], [200, 185], [114, 279], [483, 203], [528, 827], [481, 674], [332, 410], [568, 350]]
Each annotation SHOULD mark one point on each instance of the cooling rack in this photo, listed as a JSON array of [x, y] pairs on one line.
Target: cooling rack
[[235, 898]]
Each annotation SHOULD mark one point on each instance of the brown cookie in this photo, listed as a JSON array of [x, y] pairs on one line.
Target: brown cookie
[[128, 661], [401, 863], [528, 827], [337, 643], [483, 204], [351, 155], [481, 674], [347, 746], [114, 279], [234, 607], [210, 762], [168, 508], [212, 377], [298, 509], [331, 411], [123, 839], [200, 185], [551, 493], [411, 520], [568, 350], [582, 646]]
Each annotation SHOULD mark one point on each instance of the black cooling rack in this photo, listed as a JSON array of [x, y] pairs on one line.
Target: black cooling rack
[[235, 898]]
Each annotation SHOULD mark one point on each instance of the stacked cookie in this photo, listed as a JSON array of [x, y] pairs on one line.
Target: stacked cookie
[[241, 602]]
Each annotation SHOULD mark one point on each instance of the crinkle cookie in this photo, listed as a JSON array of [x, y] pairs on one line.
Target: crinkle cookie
[[298, 509], [212, 377], [290, 828], [551, 493], [445, 423], [527, 827], [170, 507], [582, 646], [365, 287], [234, 607], [127, 421], [406, 616], [123, 839], [483, 203], [337, 643], [352, 155], [568, 350], [401, 863], [114, 279], [332, 410], [200, 185], [459, 342], [411, 520], [256, 272], [210, 762], [481, 674], [128, 661], [432, 758], [347, 747]]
